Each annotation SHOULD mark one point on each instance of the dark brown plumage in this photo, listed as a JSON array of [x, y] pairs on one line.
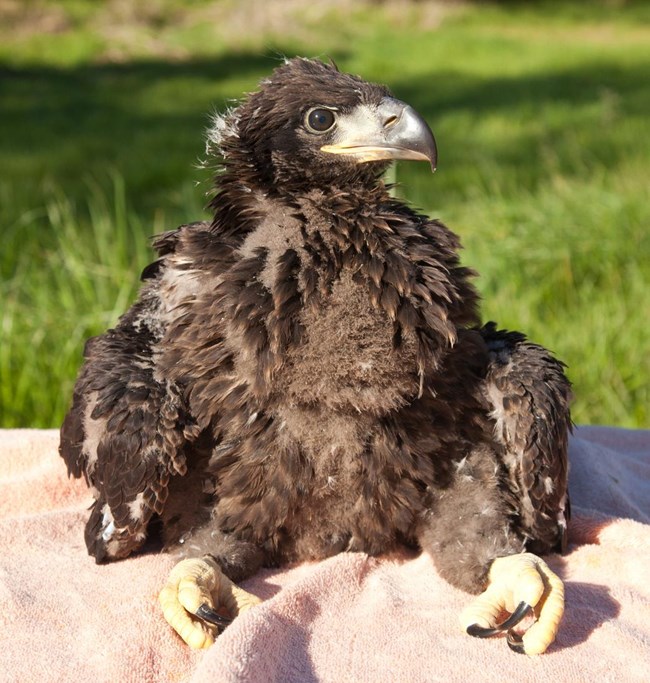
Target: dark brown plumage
[[307, 373]]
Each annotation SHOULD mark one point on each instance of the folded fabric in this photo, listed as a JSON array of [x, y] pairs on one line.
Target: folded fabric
[[349, 618]]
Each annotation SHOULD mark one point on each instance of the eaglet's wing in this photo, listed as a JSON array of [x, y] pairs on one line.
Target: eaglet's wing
[[530, 398], [127, 425]]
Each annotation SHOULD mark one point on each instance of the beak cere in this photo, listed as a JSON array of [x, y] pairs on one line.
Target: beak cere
[[392, 130]]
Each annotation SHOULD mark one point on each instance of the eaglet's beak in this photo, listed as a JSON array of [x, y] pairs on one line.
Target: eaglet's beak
[[390, 130]]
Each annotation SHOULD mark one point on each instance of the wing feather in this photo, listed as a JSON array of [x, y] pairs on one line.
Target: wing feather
[[126, 428], [530, 397]]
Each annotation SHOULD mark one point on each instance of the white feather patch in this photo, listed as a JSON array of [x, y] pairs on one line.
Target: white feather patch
[[136, 507], [93, 431], [108, 525], [222, 126]]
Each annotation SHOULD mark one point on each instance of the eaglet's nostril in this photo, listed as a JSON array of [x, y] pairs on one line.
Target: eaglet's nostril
[[391, 121]]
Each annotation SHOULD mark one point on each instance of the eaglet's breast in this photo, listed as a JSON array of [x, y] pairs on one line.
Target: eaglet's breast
[[346, 358]]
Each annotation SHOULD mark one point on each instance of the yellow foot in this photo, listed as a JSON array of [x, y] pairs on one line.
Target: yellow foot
[[194, 589], [518, 584]]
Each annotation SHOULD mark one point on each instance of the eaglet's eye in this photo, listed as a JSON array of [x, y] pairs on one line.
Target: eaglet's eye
[[320, 120]]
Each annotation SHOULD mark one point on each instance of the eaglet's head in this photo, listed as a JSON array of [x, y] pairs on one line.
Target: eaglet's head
[[310, 125]]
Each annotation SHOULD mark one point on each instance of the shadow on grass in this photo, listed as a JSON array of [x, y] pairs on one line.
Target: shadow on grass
[[591, 104], [145, 119]]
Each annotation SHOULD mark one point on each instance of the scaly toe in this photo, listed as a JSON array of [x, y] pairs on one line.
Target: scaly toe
[[524, 580], [187, 600]]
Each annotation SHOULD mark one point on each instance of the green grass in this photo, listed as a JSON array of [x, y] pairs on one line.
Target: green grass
[[539, 109]]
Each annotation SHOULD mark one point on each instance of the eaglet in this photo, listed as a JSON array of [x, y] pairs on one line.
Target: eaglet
[[307, 374]]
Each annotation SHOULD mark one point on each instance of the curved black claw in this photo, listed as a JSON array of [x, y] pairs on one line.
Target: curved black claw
[[515, 643], [208, 614], [523, 608]]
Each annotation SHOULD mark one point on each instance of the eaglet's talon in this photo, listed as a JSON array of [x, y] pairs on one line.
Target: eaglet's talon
[[213, 617], [189, 596], [523, 609], [524, 580]]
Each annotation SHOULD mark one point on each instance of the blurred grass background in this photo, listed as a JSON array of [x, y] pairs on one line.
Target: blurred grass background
[[540, 110]]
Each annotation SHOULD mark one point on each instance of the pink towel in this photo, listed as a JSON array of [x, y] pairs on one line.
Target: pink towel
[[350, 618]]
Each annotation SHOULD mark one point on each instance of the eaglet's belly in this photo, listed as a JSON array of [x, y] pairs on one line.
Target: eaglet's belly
[[346, 359]]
